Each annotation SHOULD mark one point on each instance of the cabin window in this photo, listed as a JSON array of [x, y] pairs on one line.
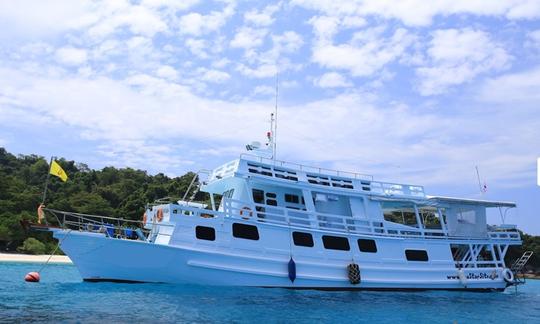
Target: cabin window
[[466, 216], [429, 217], [258, 196], [292, 198], [302, 239], [336, 243], [401, 213], [205, 233], [271, 202], [416, 255], [271, 195], [248, 232], [368, 246]]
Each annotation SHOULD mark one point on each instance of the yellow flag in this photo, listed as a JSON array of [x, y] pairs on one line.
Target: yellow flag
[[57, 170]]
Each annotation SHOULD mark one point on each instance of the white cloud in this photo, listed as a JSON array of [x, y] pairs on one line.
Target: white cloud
[[366, 53], [214, 76], [35, 19], [533, 39], [332, 80], [247, 38], [521, 87], [197, 24], [139, 20], [167, 72], [288, 42], [261, 17], [71, 56], [265, 70], [418, 13], [170, 4], [458, 56], [197, 47], [116, 113], [263, 90]]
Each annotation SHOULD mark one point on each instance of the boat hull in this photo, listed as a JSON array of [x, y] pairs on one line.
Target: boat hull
[[102, 258]]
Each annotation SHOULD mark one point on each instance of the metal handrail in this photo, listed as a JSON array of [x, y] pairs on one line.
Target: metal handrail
[[344, 224], [81, 221], [304, 167]]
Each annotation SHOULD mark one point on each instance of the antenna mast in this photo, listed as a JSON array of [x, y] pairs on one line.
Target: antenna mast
[[483, 188], [274, 131]]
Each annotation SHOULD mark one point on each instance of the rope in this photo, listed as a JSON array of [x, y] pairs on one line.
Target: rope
[[55, 249]]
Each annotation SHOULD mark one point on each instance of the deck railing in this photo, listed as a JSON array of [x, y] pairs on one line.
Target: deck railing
[[110, 226], [330, 222], [307, 168]]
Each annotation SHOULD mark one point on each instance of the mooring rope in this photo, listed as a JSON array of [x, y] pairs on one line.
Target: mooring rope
[[55, 249]]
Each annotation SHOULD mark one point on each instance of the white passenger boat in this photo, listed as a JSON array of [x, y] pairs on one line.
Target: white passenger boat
[[280, 224]]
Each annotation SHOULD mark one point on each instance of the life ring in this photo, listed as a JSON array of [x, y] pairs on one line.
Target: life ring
[[246, 210], [508, 275], [144, 218], [159, 215]]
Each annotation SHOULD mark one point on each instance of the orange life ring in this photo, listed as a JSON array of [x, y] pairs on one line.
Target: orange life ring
[[144, 218], [247, 211], [159, 215]]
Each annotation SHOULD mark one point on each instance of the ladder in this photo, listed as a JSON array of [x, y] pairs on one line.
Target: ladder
[[518, 265]]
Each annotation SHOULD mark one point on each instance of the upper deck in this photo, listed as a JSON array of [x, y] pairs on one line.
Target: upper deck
[[287, 172]]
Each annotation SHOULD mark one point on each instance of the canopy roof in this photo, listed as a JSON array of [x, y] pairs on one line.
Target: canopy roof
[[486, 203]]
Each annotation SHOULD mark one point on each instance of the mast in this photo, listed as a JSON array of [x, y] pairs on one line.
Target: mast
[[274, 119]]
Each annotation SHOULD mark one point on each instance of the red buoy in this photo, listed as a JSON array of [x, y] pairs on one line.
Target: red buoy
[[32, 277]]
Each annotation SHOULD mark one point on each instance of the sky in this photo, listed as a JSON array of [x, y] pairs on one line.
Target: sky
[[408, 91]]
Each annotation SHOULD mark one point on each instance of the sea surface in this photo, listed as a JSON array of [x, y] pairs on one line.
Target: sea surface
[[61, 296]]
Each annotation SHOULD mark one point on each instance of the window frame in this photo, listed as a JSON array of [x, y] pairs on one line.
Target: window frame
[[415, 255], [367, 249], [329, 245], [238, 230], [296, 235], [200, 227]]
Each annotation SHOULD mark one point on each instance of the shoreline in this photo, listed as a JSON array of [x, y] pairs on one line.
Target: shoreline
[[29, 258]]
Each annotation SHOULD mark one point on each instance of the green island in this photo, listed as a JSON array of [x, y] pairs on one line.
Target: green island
[[116, 192]]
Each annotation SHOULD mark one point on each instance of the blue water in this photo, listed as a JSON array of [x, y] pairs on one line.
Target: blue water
[[62, 296]]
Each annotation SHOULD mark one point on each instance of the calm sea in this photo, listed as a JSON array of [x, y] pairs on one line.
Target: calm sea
[[62, 296]]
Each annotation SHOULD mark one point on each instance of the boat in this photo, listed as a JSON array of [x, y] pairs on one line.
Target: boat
[[273, 223]]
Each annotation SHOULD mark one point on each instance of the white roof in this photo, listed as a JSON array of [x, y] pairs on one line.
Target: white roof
[[486, 203]]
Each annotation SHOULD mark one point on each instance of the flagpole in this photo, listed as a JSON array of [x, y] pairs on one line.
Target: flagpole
[[47, 182]]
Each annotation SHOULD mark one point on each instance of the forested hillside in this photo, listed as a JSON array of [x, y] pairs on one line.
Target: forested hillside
[[110, 192]]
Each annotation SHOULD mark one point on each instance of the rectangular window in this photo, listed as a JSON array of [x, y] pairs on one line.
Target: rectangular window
[[398, 212], [271, 202], [416, 255], [302, 239], [248, 232], [258, 196], [367, 246], [271, 195], [336, 243], [292, 199], [205, 233]]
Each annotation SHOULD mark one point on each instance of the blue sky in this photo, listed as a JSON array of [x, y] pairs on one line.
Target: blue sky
[[409, 91]]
